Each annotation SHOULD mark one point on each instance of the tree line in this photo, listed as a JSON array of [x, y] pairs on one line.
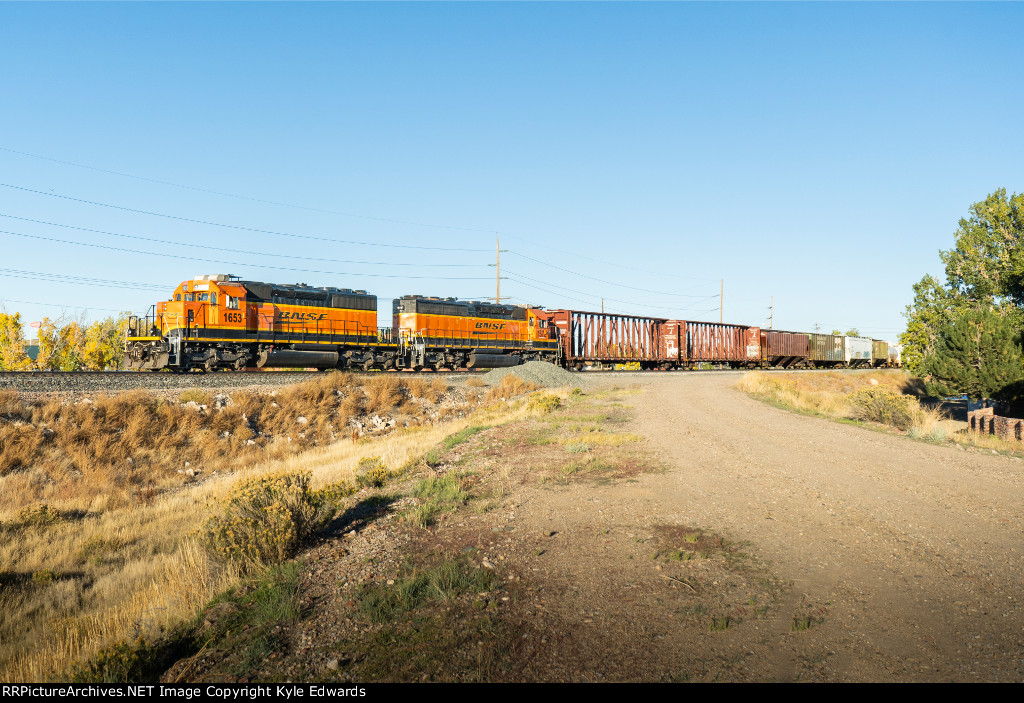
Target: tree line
[[963, 335], [65, 344]]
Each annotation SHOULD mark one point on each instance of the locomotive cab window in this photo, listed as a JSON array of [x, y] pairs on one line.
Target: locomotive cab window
[[177, 296], [204, 297], [213, 298], [230, 303], [190, 297]]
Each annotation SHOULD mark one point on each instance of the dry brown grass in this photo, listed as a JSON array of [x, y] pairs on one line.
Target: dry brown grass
[[10, 402], [835, 394], [510, 387], [109, 448], [383, 393], [73, 581]]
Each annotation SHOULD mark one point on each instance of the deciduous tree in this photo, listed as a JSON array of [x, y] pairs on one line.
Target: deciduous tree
[[12, 343], [986, 263], [934, 306]]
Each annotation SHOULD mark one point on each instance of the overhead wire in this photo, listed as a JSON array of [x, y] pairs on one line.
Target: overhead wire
[[606, 282], [618, 265], [243, 197], [237, 227], [78, 280], [614, 300], [57, 305], [674, 275], [236, 251], [237, 264]]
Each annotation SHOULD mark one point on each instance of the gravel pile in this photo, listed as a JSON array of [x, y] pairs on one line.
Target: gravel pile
[[542, 373]]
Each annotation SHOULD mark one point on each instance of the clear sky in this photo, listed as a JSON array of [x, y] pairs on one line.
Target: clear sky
[[820, 154]]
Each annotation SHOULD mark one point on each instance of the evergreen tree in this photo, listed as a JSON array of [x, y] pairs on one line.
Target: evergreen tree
[[977, 354]]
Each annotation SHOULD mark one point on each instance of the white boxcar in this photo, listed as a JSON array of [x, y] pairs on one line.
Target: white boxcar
[[858, 351]]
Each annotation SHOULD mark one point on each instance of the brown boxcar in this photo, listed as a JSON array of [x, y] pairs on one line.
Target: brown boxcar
[[879, 353], [827, 350], [717, 343], [783, 348], [589, 337]]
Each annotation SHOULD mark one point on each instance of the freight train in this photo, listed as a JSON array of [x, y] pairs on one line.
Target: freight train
[[219, 322]]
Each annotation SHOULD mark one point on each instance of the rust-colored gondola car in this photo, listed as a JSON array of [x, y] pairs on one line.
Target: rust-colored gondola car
[[785, 349]]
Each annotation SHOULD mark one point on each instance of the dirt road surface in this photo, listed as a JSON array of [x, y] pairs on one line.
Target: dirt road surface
[[900, 560]]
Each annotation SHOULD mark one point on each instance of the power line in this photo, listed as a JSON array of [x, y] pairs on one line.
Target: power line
[[614, 300], [80, 280], [546, 290], [237, 251], [620, 265], [235, 227], [336, 212], [58, 305], [517, 276], [610, 283], [237, 264], [244, 197]]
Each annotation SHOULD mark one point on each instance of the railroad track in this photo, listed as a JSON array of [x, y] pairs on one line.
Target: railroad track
[[116, 381]]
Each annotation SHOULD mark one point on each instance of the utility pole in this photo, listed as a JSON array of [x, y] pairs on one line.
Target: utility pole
[[771, 315], [721, 299], [497, 266], [817, 327], [602, 306]]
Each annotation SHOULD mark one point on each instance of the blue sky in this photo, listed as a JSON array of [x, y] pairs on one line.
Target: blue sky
[[820, 154]]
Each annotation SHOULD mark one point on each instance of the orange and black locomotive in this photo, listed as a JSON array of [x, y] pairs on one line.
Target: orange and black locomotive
[[220, 322]]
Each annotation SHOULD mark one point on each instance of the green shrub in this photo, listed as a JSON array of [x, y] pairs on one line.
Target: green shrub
[[440, 494], [884, 405], [463, 435], [118, 663], [446, 581], [37, 515], [371, 471], [265, 520], [445, 489], [544, 402], [332, 495], [43, 576]]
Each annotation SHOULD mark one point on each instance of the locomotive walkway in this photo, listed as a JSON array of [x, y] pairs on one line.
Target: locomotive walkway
[[905, 556]]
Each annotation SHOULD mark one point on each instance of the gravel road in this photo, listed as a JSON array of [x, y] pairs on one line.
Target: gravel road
[[915, 548], [903, 559]]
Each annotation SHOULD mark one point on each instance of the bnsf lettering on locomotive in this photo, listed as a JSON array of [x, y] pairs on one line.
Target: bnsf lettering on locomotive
[[490, 325], [311, 316]]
